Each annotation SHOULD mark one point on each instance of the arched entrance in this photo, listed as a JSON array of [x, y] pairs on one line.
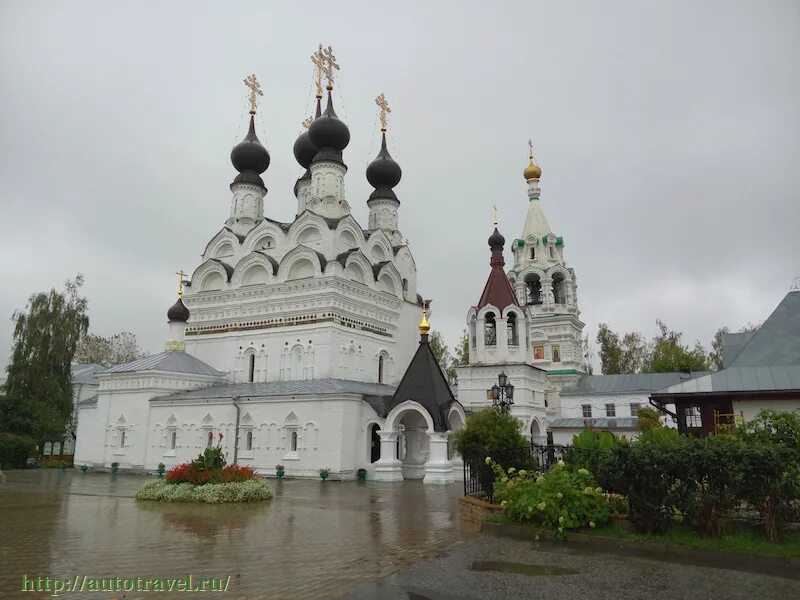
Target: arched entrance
[[412, 444], [375, 443], [537, 435]]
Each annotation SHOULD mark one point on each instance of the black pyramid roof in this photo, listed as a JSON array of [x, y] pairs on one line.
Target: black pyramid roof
[[424, 383]]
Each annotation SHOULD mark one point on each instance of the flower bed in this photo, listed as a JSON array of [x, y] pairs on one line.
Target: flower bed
[[207, 479], [252, 490]]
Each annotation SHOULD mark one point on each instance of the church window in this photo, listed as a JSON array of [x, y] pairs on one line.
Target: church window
[[513, 340], [48, 449], [533, 287], [293, 441], [556, 353], [380, 369], [559, 289], [490, 329], [296, 365], [611, 410], [374, 443], [251, 367], [121, 438], [635, 406], [586, 410], [173, 438], [552, 251], [248, 441], [209, 439], [56, 448], [533, 253]]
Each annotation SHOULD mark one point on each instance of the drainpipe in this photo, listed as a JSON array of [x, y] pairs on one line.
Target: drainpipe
[[236, 434]]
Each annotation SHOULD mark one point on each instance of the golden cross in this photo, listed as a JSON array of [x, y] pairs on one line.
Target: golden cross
[[325, 61], [494, 220], [307, 121], [180, 274], [384, 106], [255, 90], [319, 66]]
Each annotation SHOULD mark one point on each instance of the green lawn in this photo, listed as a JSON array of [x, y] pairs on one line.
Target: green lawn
[[739, 540]]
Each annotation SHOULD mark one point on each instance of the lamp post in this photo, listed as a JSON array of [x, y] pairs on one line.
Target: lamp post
[[502, 393]]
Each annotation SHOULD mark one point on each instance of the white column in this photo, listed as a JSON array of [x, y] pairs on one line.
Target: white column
[[388, 467], [438, 469]]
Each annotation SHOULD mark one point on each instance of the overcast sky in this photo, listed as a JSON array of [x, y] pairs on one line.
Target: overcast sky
[[668, 134]]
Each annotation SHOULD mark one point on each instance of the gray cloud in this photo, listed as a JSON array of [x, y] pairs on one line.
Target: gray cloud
[[667, 133]]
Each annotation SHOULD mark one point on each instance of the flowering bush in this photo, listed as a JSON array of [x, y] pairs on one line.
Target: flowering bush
[[194, 474], [252, 490], [560, 499]]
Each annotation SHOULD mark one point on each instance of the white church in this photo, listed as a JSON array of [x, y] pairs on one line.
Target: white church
[[301, 343]]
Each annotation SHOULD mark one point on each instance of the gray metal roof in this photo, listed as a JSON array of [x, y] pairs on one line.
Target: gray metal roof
[[742, 379], [732, 344], [85, 373], [629, 383], [304, 387], [174, 362], [777, 341], [595, 423]]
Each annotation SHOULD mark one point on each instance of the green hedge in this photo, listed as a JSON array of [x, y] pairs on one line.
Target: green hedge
[[15, 450]]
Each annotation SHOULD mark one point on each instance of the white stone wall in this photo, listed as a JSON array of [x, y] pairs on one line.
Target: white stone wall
[[572, 406], [750, 407]]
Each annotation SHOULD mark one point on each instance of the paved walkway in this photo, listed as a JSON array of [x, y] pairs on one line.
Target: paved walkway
[[313, 540], [469, 572]]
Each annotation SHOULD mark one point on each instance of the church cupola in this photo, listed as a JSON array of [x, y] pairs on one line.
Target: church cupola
[[383, 174], [497, 291], [251, 159], [324, 194], [304, 153], [177, 317]]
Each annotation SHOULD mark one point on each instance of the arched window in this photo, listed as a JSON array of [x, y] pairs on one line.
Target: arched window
[[297, 363], [559, 289], [552, 251], [490, 329], [121, 438], [56, 448], [251, 368], [533, 253], [380, 369], [293, 442], [47, 450], [533, 286], [513, 340], [248, 441], [173, 438]]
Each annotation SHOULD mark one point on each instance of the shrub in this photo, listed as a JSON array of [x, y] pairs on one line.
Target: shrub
[[648, 418], [194, 474], [15, 450], [233, 473], [589, 448], [649, 475], [486, 433], [773, 427], [252, 490], [560, 499], [55, 463]]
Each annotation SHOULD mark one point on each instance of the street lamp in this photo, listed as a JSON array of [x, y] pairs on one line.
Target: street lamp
[[502, 392]]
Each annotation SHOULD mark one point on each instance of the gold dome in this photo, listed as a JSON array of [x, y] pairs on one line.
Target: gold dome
[[424, 326], [532, 171]]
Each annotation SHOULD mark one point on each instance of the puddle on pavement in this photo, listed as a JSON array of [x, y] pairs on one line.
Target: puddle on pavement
[[519, 568]]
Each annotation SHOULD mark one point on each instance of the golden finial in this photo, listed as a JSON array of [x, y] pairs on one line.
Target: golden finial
[[180, 275], [424, 326], [494, 218], [384, 106], [532, 171], [325, 62], [307, 121], [255, 91]]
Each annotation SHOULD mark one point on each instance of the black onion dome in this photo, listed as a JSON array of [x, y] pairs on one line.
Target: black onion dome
[[304, 150], [384, 170], [249, 155], [496, 239], [178, 312], [328, 131]]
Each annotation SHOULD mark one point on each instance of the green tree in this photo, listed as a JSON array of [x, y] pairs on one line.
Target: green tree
[[669, 355], [486, 432], [442, 354], [462, 350], [115, 350], [38, 390], [628, 354], [588, 355]]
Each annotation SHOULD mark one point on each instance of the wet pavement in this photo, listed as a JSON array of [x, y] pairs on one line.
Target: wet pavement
[[313, 540], [494, 568]]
